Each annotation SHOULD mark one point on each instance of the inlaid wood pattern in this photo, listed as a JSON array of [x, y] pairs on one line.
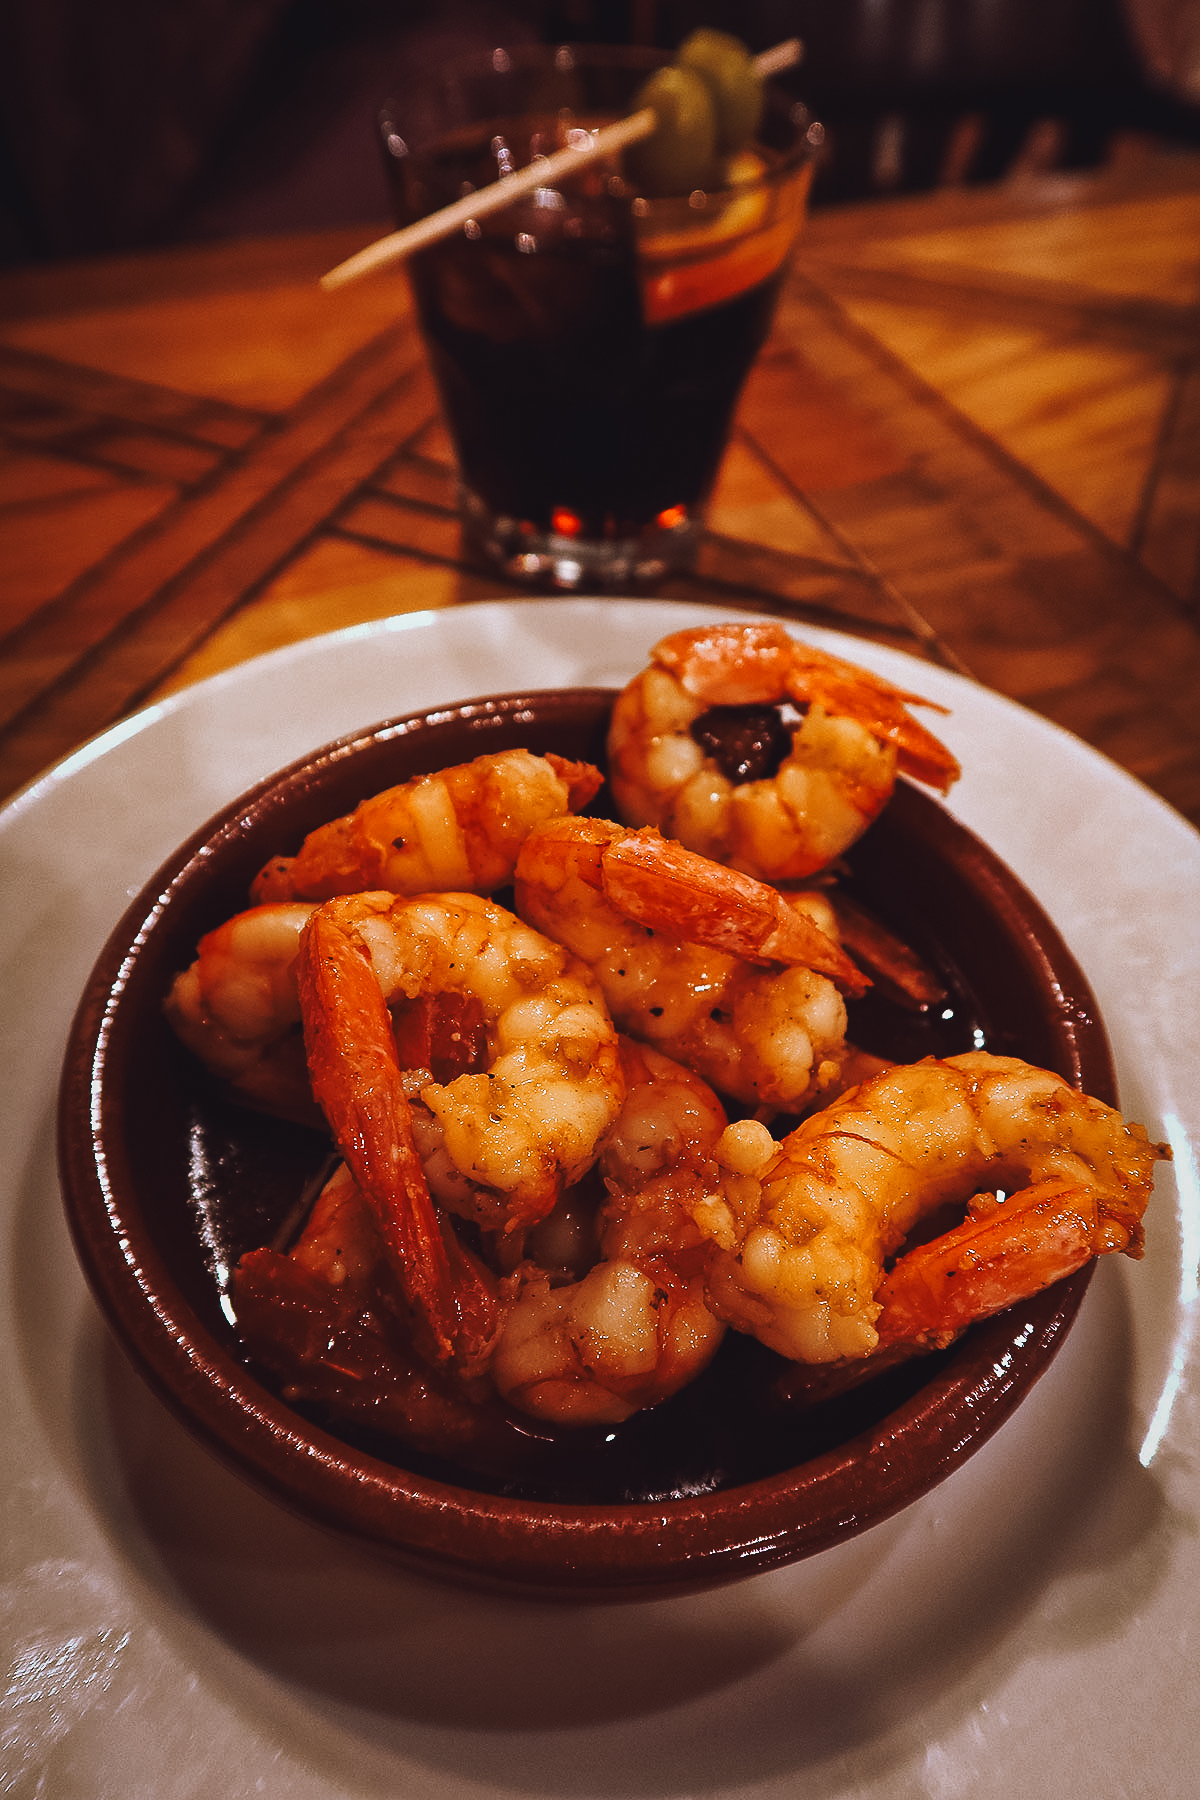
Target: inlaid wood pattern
[[974, 434]]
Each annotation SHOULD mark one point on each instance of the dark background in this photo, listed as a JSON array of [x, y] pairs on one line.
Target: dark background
[[127, 123]]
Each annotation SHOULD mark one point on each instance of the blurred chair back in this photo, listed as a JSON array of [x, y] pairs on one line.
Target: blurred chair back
[[917, 94], [238, 116]]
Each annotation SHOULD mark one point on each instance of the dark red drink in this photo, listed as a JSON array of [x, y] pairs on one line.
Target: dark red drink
[[590, 347]]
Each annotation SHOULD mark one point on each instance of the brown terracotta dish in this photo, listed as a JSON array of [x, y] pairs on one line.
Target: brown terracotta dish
[[166, 1184]]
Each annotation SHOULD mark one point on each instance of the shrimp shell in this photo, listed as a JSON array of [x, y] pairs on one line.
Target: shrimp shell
[[456, 830], [762, 1035]]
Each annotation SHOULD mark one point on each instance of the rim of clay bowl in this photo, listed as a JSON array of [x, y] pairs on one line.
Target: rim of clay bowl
[[156, 1302]]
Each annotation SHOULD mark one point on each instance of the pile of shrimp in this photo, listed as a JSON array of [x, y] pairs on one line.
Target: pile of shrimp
[[558, 1186]]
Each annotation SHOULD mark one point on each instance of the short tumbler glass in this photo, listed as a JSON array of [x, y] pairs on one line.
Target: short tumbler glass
[[589, 345]]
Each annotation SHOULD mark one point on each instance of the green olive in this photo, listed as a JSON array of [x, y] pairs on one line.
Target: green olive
[[681, 153], [734, 83]]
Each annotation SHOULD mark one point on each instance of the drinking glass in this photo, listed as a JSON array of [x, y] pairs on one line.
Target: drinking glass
[[589, 344]]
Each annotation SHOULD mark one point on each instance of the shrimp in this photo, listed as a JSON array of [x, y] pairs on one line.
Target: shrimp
[[642, 914], [513, 1113], [804, 1230], [459, 829], [237, 1008], [763, 752], [635, 1327], [333, 1316], [517, 1131]]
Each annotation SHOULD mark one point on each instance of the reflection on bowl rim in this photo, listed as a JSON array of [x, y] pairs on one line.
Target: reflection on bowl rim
[[666, 1546]]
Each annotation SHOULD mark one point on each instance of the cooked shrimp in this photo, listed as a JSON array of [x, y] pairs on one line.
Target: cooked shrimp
[[763, 752], [634, 1328], [763, 1035], [537, 1048], [532, 1121], [457, 830], [325, 1319], [237, 1009], [623, 1334], [804, 1229]]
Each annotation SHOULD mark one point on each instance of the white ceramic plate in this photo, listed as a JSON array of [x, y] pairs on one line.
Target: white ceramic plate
[[1029, 1627]]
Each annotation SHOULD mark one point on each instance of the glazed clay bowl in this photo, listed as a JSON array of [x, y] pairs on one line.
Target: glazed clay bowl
[[166, 1184]]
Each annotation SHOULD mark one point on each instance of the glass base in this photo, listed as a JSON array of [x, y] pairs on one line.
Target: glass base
[[578, 564]]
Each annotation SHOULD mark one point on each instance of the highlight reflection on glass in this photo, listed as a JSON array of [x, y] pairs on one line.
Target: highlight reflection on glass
[[1187, 1177]]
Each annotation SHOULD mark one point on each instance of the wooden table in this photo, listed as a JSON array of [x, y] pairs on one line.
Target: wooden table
[[974, 434]]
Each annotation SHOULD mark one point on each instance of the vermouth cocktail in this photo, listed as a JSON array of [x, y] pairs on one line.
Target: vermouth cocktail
[[590, 344]]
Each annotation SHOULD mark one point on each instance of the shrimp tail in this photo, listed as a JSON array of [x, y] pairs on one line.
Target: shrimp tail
[[856, 693], [660, 884], [356, 1078], [903, 975], [993, 1261], [583, 780]]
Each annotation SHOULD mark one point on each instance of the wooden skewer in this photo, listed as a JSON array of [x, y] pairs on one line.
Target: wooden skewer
[[780, 57], [544, 171]]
